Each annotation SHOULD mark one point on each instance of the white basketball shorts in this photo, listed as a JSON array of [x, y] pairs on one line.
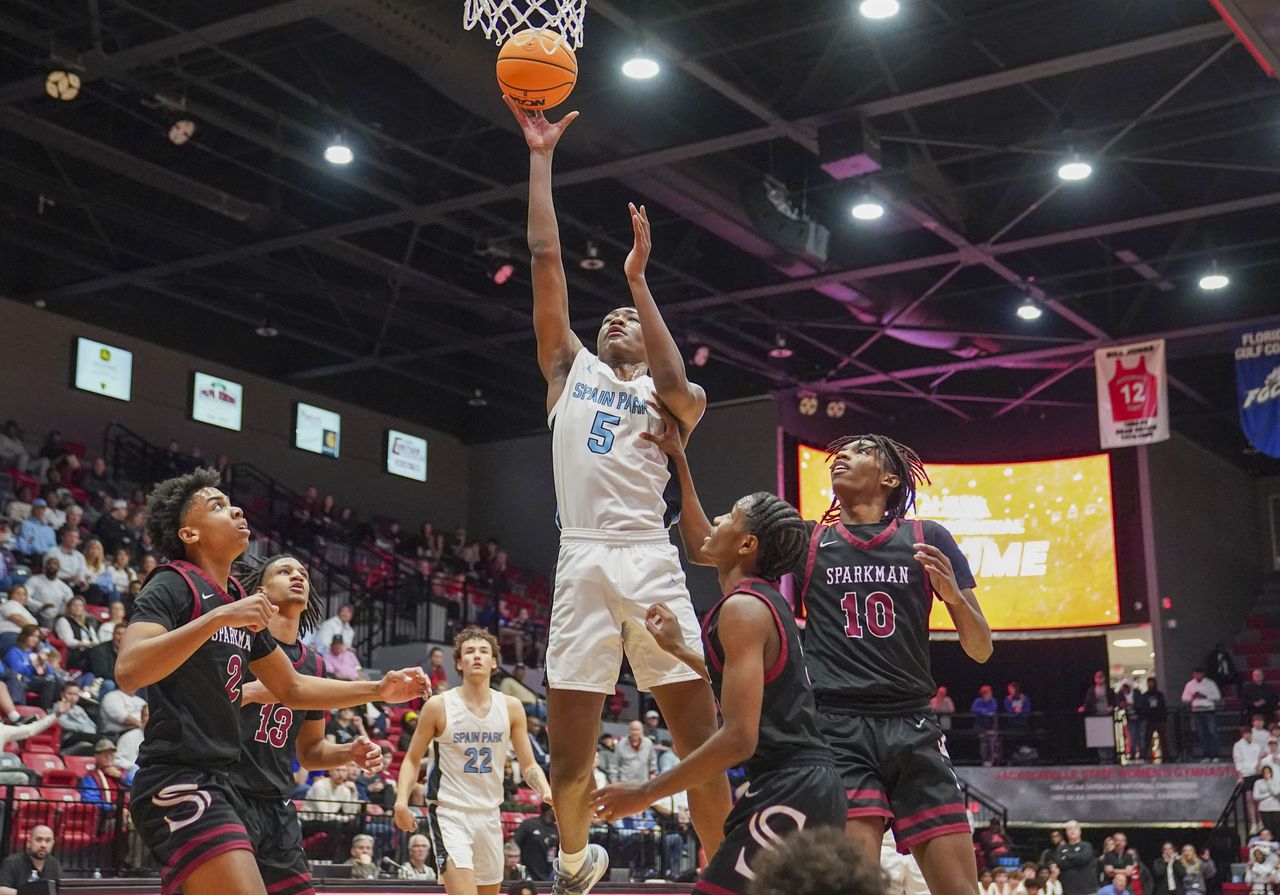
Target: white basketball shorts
[[605, 583], [472, 840]]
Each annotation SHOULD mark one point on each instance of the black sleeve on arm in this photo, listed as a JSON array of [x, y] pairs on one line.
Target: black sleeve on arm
[[165, 600], [939, 537], [263, 645], [314, 716]]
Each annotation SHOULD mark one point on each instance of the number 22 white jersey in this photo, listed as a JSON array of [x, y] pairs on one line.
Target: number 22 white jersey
[[469, 756], [607, 477]]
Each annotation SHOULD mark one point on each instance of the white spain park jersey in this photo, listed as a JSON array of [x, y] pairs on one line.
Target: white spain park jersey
[[468, 758], [607, 477]]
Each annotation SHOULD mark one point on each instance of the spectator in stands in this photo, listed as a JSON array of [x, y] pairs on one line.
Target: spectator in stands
[[130, 743], [112, 528], [1266, 795], [1001, 884], [119, 712], [342, 663], [344, 728], [1202, 695], [418, 865], [122, 575], [436, 672], [986, 711], [13, 451], [79, 732], [361, 860], [147, 565], [17, 731], [100, 661], [25, 663], [56, 451], [48, 594], [115, 618], [106, 783], [512, 629], [337, 626], [1199, 869], [14, 616], [408, 724], [635, 756], [944, 707], [994, 842], [816, 862], [1055, 842], [1017, 706], [78, 631], [32, 863], [512, 869], [1168, 871], [56, 516], [1052, 879], [19, 509], [1119, 884], [536, 837], [98, 580], [1153, 713], [97, 479], [1260, 875], [10, 574], [335, 793], [1246, 755], [71, 568], [538, 740], [1257, 696], [36, 536], [1116, 858], [1140, 880], [607, 758], [1078, 862]]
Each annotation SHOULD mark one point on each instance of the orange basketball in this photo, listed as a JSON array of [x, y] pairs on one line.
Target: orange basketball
[[537, 69]]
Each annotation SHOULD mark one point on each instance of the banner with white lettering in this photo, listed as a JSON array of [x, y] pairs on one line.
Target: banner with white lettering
[[1133, 394], [1258, 385], [1142, 794]]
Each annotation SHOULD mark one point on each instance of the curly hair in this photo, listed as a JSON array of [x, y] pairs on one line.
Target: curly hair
[[897, 458], [474, 632], [252, 572], [818, 861], [169, 502], [781, 533]]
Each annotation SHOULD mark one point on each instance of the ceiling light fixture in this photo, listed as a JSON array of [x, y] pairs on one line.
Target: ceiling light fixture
[[780, 351], [63, 85], [701, 355], [808, 404], [1029, 310], [1214, 279], [592, 260], [641, 66], [868, 209], [836, 409], [266, 330], [1075, 170], [338, 152], [1129, 642], [181, 131], [477, 399], [502, 272], [879, 9]]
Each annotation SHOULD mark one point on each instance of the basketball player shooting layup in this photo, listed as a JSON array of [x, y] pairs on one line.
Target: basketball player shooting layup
[[193, 635], [615, 501], [469, 729], [867, 584], [752, 645]]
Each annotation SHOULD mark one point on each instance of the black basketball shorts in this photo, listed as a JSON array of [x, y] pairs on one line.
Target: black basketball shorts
[[897, 768], [773, 806], [186, 817], [273, 827]]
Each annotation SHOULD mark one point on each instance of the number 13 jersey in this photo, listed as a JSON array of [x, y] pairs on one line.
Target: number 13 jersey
[[469, 756], [607, 477]]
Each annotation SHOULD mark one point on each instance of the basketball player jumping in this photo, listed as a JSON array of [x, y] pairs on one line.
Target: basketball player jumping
[[271, 733], [867, 585], [190, 642], [615, 500], [469, 729], [756, 668]]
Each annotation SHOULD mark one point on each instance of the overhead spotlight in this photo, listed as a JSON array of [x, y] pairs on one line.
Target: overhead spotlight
[[780, 351], [501, 272], [879, 9], [836, 409], [63, 85], [641, 66], [868, 209], [1074, 170], [1029, 310], [808, 404], [701, 355], [181, 131], [592, 260], [1214, 280], [477, 399], [338, 152], [266, 330]]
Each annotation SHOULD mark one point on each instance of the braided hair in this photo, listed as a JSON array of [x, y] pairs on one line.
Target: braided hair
[[252, 572], [897, 458], [780, 531]]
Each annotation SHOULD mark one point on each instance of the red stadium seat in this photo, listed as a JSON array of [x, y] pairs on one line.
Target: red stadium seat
[[525, 796], [42, 761], [81, 765], [60, 793], [36, 746], [78, 824], [101, 613], [26, 792], [384, 742], [59, 777], [29, 711]]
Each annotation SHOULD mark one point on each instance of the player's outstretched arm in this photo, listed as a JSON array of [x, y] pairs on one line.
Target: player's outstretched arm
[[745, 627], [557, 344], [301, 691], [666, 365], [430, 726], [315, 753], [694, 525], [151, 652], [529, 767]]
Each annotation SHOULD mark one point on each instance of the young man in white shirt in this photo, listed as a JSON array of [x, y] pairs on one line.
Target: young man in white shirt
[[1202, 695], [1245, 754]]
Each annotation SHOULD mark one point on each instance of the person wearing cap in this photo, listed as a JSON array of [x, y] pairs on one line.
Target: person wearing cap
[[105, 783], [112, 529], [36, 536]]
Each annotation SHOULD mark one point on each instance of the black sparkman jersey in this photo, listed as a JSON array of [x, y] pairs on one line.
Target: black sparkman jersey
[[788, 717], [269, 735], [195, 711], [866, 600]]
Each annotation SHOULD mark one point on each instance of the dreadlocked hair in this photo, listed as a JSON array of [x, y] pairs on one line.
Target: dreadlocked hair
[[897, 458], [252, 572], [169, 502], [780, 531]]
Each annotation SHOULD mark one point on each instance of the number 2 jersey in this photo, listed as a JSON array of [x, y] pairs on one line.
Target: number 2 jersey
[[269, 735], [195, 711], [607, 477], [467, 759], [866, 601]]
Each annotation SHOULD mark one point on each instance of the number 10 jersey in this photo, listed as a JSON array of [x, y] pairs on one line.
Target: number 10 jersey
[[469, 756]]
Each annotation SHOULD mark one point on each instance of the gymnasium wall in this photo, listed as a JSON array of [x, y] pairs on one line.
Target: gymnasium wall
[[1269, 523], [35, 373]]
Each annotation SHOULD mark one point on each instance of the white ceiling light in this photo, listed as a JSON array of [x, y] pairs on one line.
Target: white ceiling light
[[868, 209], [63, 85], [879, 9], [780, 351], [181, 131], [338, 152], [1127, 642], [477, 399], [1214, 279], [592, 260], [1029, 310], [1075, 170], [641, 66]]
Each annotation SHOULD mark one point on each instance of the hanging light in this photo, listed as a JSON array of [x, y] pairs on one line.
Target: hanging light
[[501, 272], [701, 355], [1029, 310], [63, 85], [808, 404], [1075, 169], [266, 330], [868, 208], [879, 9], [780, 351], [338, 152], [641, 66], [1214, 279], [477, 399], [836, 408], [592, 260], [181, 131]]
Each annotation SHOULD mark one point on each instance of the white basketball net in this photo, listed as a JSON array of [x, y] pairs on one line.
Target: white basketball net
[[499, 19]]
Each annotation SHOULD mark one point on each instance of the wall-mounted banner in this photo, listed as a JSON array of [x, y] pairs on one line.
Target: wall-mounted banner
[[1097, 794], [1258, 385], [1133, 394]]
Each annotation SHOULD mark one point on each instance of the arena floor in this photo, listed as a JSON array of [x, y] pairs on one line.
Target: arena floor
[[351, 887]]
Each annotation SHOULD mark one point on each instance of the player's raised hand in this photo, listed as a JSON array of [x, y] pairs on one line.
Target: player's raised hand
[[541, 135], [670, 438], [253, 612], [938, 567], [366, 755], [638, 258], [662, 623], [402, 685], [618, 800], [405, 819]]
